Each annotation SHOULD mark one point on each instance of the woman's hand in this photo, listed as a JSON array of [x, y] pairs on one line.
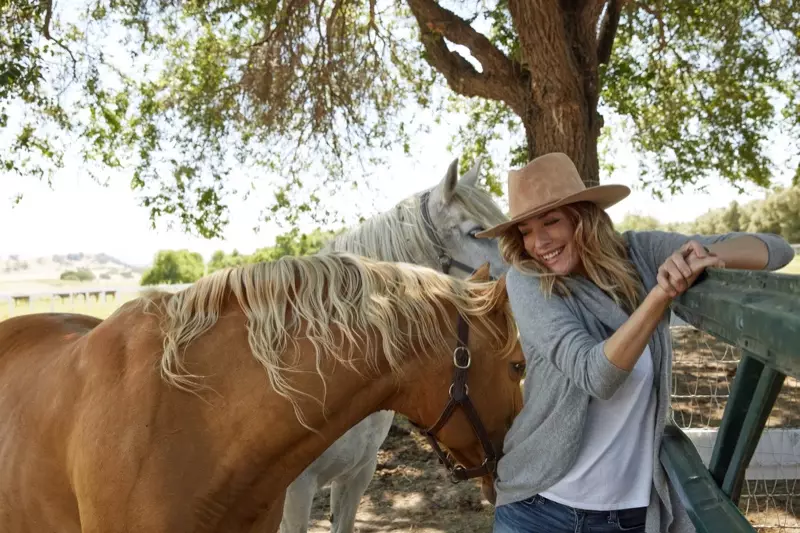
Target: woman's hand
[[681, 269]]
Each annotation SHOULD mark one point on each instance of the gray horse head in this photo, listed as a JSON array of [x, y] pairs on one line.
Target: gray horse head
[[458, 210]]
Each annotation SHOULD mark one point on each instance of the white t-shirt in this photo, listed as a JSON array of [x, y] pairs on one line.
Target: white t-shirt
[[614, 467]]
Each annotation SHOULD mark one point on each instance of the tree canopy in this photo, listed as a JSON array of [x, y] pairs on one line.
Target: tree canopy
[[173, 267], [187, 94]]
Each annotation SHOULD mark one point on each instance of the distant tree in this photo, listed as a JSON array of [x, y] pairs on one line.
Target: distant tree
[[291, 243], [82, 274], [732, 217], [222, 260], [295, 243], [778, 213], [638, 223], [174, 266]]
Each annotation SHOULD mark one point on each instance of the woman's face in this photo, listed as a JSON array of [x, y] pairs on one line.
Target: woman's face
[[549, 238]]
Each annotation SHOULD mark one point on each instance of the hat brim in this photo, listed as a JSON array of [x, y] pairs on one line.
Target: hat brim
[[604, 196]]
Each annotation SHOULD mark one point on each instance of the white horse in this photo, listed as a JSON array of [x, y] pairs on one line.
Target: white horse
[[434, 228]]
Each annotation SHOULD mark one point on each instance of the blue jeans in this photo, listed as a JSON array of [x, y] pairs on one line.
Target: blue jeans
[[540, 515]]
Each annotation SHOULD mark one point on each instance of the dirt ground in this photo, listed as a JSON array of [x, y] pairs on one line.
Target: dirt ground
[[411, 493]]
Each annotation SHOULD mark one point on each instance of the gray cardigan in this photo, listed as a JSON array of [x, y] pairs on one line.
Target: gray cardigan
[[563, 342]]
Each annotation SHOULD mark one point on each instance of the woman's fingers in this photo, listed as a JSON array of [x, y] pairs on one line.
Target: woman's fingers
[[677, 274], [694, 247], [679, 260], [672, 276], [681, 269], [664, 283]]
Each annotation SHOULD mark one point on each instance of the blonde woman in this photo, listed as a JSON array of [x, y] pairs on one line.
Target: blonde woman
[[592, 307]]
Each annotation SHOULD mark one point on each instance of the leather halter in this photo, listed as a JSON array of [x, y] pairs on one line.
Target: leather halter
[[459, 397], [459, 391]]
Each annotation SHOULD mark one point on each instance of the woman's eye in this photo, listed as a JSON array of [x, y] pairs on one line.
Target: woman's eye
[[551, 222]]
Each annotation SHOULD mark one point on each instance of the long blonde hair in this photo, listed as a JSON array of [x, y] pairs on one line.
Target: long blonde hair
[[602, 251]]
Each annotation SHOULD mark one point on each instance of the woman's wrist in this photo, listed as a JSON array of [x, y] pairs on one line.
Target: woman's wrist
[[659, 295]]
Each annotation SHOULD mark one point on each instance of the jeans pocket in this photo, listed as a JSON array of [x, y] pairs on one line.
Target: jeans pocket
[[632, 520]]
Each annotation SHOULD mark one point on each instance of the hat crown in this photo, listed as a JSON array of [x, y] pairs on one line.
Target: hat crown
[[544, 181]]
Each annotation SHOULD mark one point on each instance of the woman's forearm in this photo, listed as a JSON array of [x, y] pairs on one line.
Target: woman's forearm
[[626, 345], [744, 252]]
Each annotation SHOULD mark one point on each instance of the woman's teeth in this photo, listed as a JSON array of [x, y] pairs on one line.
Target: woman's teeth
[[551, 255]]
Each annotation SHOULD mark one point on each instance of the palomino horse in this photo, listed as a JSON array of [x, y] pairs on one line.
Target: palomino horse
[[194, 411], [434, 228]]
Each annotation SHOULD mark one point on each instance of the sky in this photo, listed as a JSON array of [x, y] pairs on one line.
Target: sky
[[80, 215]]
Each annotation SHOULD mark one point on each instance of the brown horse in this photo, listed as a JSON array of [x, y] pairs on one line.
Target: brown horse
[[194, 411]]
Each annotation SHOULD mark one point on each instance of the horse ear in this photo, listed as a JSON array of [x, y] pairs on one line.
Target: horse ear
[[471, 177], [500, 288], [448, 184], [481, 273]]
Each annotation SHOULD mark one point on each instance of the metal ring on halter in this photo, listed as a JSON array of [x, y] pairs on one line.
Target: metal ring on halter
[[466, 389], [455, 357], [453, 478]]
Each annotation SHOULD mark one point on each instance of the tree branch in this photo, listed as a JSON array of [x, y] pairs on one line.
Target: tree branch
[[608, 31], [48, 17], [502, 79]]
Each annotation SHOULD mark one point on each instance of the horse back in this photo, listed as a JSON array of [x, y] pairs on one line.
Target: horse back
[[27, 333]]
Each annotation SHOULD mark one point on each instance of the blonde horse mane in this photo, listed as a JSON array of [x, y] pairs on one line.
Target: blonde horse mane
[[399, 233], [330, 300]]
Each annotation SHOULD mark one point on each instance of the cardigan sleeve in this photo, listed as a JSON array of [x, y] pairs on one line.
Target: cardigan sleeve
[[551, 331], [658, 245]]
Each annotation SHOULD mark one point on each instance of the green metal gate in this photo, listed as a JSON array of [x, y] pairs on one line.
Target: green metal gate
[[760, 313]]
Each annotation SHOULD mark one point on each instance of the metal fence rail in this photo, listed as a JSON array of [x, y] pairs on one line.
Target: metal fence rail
[[758, 312]]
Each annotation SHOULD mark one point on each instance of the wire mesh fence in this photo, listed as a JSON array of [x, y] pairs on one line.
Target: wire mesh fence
[[702, 375]]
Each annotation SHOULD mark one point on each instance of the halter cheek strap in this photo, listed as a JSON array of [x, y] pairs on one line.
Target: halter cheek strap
[[459, 397], [445, 260]]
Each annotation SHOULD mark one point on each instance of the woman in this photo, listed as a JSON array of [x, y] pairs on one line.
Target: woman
[[592, 307]]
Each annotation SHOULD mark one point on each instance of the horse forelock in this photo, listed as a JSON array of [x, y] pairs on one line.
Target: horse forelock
[[339, 303]]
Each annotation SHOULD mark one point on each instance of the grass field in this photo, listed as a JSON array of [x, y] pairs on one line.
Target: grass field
[[793, 267]]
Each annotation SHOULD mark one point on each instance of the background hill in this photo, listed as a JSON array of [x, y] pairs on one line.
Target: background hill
[[20, 274]]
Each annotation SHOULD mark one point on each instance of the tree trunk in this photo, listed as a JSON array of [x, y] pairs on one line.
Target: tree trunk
[[552, 85], [559, 49]]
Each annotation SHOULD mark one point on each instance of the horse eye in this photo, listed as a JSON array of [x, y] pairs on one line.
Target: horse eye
[[518, 368], [475, 231]]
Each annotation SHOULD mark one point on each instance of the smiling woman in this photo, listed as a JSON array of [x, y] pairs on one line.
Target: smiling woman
[[592, 306]]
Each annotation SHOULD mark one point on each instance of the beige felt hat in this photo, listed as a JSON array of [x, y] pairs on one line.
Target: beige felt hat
[[548, 182]]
